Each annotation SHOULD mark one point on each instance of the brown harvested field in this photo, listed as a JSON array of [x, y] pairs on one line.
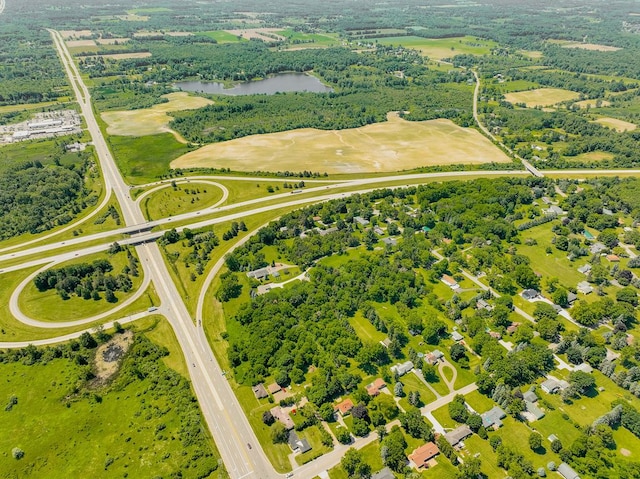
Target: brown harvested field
[[80, 43], [144, 33], [67, 34], [154, 120], [592, 103], [592, 46], [132, 17], [615, 124], [391, 146], [111, 41], [124, 56], [264, 34], [541, 96]]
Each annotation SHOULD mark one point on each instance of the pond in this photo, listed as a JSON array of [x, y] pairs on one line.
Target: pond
[[283, 82]]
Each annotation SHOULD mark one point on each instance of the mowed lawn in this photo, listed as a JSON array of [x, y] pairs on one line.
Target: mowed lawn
[[151, 121], [391, 146], [183, 199], [439, 48], [541, 97]]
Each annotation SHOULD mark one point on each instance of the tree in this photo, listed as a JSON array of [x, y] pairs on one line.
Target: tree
[[474, 421], [470, 469], [556, 445], [343, 436], [230, 287], [359, 427], [415, 425], [581, 381], [457, 410], [457, 352], [584, 313], [87, 341], [279, 433], [268, 418], [545, 310], [526, 277], [535, 441], [627, 294], [392, 449], [560, 297], [17, 453], [398, 389], [495, 441], [354, 465]]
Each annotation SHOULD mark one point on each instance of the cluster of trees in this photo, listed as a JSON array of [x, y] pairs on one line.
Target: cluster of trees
[[35, 198], [86, 280]]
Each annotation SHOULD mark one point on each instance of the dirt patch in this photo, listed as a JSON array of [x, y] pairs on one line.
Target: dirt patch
[[154, 120], [391, 146], [592, 47], [111, 41], [264, 34], [625, 452], [123, 56], [592, 103], [67, 34], [109, 356], [541, 97], [615, 124], [81, 43], [145, 33]]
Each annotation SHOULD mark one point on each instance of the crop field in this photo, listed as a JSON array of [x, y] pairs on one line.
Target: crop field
[[440, 48], [592, 103], [592, 46], [541, 97], [126, 56], [151, 121], [391, 146], [308, 40], [221, 36], [264, 34], [615, 124]]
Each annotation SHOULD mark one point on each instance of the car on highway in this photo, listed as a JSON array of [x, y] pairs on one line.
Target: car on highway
[[249, 445]]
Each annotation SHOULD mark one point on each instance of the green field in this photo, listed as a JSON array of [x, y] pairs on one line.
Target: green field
[[67, 428], [145, 159], [49, 306], [308, 40], [183, 199], [439, 48]]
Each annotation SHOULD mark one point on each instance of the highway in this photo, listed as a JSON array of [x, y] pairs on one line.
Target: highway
[[240, 450]]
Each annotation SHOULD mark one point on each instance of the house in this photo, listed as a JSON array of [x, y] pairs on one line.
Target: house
[[567, 472], [360, 220], [530, 396], [614, 258], [482, 304], [554, 210], [607, 211], [274, 388], [584, 367], [586, 269], [298, 445], [546, 200], [532, 412], [344, 407], [386, 342], [390, 241], [458, 434], [434, 356], [597, 248], [374, 388], [282, 416], [379, 231], [571, 297], [512, 328], [456, 336], [550, 386], [493, 417], [495, 335], [552, 438], [584, 287], [383, 474], [261, 273], [402, 369], [422, 455], [259, 391], [530, 294], [449, 281], [322, 232]]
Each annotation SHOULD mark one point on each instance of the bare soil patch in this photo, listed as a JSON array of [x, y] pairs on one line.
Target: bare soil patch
[[80, 43], [154, 120], [615, 124], [625, 452], [391, 146], [592, 46], [592, 103], [145, 33], [75, 34], [123, 56], [111, 41], [109, 356]]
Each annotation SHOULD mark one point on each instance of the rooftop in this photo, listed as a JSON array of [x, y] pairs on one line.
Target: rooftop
[[424, 453]]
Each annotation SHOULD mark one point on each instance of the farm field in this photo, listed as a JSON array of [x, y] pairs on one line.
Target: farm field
[[592, 46], [222, 36], [592, 103], [154, 120], [391, 146], [615, 124], [541, 97], [439, 48]]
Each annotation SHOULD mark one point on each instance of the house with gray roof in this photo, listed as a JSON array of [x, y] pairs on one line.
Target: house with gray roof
[[298, 445], [585, 269], [383, 474], [458, 434], [550, 386], [567, 472], [597, 248], [402, 368], [584, 287], [360, 220], [530, 396], [532, 412], [390, 241], [493, 417], [530, 294]]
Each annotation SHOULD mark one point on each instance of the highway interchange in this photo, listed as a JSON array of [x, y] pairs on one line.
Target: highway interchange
[[236, 441]]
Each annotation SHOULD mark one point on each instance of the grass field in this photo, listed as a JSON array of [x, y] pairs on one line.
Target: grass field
[[221, 36], [593, 156], [617, 125], [151, 121], [103, 433], [439, 48], [592, 47], [49, 306], [391, 146], [184, 199], [308, 40], [541, 97], [145, 159], [592, 103]]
